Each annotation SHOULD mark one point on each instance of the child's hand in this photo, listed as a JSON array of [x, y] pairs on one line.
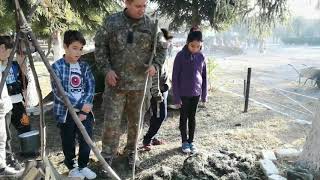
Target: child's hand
[[82, 117], [86, 108], [151, 71]]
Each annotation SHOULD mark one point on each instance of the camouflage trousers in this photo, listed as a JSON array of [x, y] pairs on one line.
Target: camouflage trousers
[[120, 107]]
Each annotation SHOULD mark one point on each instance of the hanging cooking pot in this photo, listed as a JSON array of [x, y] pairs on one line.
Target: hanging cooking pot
[[30, 142]]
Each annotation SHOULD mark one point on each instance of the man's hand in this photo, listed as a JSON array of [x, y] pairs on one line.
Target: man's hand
[[151, 70], [86, 108], [112, 78]]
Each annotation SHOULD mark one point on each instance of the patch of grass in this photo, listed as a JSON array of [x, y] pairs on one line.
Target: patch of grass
[[211, 66]]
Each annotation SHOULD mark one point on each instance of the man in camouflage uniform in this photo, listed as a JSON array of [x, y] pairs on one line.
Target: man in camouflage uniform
[[124, 46]]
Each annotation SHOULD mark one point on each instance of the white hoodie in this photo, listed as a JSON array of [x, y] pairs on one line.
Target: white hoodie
[[5, 100]]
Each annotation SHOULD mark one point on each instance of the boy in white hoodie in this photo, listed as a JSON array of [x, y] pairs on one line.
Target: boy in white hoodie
[[5, 107]]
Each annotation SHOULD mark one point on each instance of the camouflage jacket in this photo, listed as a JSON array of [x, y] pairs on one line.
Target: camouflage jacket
[[125, 46]]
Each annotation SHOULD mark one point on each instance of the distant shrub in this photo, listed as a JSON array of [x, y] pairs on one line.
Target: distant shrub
[[301, 40]]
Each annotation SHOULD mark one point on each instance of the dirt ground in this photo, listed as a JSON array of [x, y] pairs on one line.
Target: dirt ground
[[222, 123]]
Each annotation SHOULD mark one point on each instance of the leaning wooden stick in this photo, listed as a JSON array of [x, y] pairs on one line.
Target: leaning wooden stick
[[140, 124], [82, 129], [42, 121]]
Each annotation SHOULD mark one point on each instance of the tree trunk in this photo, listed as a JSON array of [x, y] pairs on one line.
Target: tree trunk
[[196, 20], [310, 156], [262, 46], [57, 45]]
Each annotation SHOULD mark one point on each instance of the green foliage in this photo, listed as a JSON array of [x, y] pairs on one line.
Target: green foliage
[[6, 22], [56, 15], [260, 17], [219, 14], [264, 16]]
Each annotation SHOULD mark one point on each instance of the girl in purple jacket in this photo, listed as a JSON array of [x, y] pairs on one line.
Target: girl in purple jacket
[[189, 80]]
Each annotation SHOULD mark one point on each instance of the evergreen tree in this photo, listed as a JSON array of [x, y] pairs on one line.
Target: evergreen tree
[[54, 15], [220, 14]]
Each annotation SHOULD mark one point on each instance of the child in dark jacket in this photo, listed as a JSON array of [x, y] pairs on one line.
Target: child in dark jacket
[[17, 82], [189, 81], [158, 105]]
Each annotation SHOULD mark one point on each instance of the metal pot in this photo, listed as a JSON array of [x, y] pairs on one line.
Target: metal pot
[[30, 142]]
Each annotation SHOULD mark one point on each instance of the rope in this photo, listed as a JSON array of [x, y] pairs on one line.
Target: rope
[[265, 105], [296, 102], [278, 104], [310, 97], [25, 28]]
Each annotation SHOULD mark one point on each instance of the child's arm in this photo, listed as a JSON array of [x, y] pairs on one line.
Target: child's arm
[[175, 79], [86, 101], [204, 83]]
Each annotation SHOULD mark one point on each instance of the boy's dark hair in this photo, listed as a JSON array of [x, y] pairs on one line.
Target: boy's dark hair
[[194, 36], [7, 41], [71, 36], [166, 34]]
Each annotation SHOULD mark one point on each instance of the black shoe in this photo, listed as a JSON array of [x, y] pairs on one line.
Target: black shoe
[[132, 160], [13, 162]]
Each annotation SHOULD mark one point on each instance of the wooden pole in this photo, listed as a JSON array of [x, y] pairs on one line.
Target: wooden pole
[[247, 91], [140, 123], [42, 120]]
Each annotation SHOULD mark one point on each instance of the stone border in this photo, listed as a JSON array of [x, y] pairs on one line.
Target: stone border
[[269, 157]]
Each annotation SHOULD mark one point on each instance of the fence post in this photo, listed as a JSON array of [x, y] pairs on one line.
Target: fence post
[[247, 91]]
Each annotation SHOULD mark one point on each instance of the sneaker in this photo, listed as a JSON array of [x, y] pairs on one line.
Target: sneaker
[[185, 147], [193, 148], [13, 162], [132, 160], [75, 173], [88, 173], [74, 163], [9, 171], [156, 142], [145, 147]]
